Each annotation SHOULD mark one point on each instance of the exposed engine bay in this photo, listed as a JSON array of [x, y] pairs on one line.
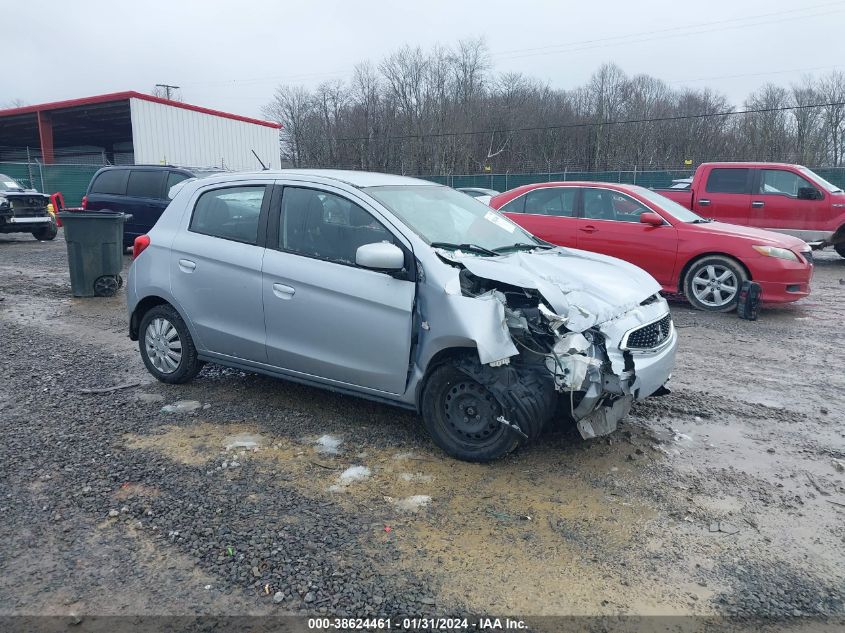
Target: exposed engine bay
[[595, 385]]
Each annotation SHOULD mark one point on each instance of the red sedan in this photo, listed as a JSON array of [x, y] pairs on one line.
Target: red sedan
[[706, 261]]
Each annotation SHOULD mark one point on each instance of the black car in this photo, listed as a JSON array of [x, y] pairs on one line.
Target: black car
[[139, 190], [25, 210]]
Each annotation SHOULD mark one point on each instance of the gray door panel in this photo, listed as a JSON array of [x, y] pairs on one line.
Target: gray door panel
[[336, 321], [218, 283]]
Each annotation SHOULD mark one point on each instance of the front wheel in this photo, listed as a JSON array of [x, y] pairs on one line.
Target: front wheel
[[47, 233], [167, 347], [713, 283], [461, 415], [840, 248]]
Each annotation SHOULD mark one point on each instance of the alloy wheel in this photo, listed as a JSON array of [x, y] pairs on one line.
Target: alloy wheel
[[715, 286]]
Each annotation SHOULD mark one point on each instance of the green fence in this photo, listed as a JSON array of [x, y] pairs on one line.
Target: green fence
[[71, 180], [661, 178]]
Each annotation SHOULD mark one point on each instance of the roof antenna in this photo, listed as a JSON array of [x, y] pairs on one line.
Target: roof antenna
[[263, 166]]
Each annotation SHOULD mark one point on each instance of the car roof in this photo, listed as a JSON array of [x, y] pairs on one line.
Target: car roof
[[358, 179]]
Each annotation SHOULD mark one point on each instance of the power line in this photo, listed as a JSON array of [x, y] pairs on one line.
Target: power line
[[672, 31], [686, 33], [694, 29], [592, 123]]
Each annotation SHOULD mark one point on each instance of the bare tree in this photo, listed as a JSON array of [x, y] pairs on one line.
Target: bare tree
[[446, 110]]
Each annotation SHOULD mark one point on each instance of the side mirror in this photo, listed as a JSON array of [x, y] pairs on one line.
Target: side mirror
[[380, 256], [809, 193], [651, 218]]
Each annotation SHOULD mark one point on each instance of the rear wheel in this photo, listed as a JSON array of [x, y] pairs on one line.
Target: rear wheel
[[713, 283], [840, 248], [167, 347]]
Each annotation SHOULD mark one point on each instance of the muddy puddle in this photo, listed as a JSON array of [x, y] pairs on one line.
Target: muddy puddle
[[553, 530]]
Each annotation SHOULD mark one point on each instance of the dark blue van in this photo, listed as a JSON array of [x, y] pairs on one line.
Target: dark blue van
[[140, 190]]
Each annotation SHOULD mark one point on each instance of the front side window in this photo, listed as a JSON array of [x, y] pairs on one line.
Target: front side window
[[231, 213], [145, 184], [728, 180], [782, 182], [625, 208], [326, 226], [551, 201]]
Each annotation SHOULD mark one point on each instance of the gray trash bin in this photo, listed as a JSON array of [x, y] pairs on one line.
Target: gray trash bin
[[94, 251]]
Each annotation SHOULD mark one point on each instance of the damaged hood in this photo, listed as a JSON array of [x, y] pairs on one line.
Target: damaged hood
[[585, 288]]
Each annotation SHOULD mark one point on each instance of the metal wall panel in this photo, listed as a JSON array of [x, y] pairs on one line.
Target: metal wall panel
[[177, 136]]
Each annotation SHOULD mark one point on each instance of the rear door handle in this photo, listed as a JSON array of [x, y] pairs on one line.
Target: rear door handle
[[758, 204], [589, 229], [187, 265], [704, 202], [283, 292]]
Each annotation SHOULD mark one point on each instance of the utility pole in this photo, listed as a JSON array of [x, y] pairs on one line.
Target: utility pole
[[167, 89]]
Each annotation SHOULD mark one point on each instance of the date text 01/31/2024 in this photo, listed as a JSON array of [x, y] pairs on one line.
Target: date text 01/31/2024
[[415, 624]]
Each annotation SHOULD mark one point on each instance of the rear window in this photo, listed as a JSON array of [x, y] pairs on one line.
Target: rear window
[[728, 180], [145, 184], [112, 181]]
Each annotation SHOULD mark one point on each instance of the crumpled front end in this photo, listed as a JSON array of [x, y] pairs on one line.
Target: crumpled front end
[[597, 368]]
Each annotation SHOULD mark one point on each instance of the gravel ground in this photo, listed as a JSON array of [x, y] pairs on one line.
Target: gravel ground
[[725, 498]]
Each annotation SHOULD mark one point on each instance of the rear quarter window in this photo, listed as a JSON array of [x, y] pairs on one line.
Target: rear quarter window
[[517, 205], [111, 182], [728, 180]]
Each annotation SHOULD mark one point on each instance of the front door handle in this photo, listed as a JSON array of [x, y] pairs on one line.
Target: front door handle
[[283, 292], [704, 202], [187, 265], [589, 229], [758, 204]]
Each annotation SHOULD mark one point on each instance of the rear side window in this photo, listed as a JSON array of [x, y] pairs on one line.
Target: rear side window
[[231, 213], [145, 184], [111, 182], [728, 180], [551, 201]]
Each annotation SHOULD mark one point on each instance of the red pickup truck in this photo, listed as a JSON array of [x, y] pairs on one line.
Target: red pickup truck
[[775, 196]]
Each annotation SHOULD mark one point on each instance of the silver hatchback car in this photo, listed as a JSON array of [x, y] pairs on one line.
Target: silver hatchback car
[[401, 291]]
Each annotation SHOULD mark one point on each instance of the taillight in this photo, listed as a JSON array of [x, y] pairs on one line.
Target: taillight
[[84, 202], [141, 242]]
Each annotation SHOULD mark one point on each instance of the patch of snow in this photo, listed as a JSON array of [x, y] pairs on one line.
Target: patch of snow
[[328, 444], [413, 503], [242, 440], [181, 406], [418, 477]]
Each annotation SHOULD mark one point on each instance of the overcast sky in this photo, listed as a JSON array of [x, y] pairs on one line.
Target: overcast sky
[[231, 56]]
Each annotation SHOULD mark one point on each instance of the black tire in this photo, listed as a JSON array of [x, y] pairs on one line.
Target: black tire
[[46, 233], [462, 401], [840, 248], [188, 365], [714, 298]]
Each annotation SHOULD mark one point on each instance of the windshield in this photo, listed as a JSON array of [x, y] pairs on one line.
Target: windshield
[[441, 216], [676, 210], [9, 184], [824, 183]]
